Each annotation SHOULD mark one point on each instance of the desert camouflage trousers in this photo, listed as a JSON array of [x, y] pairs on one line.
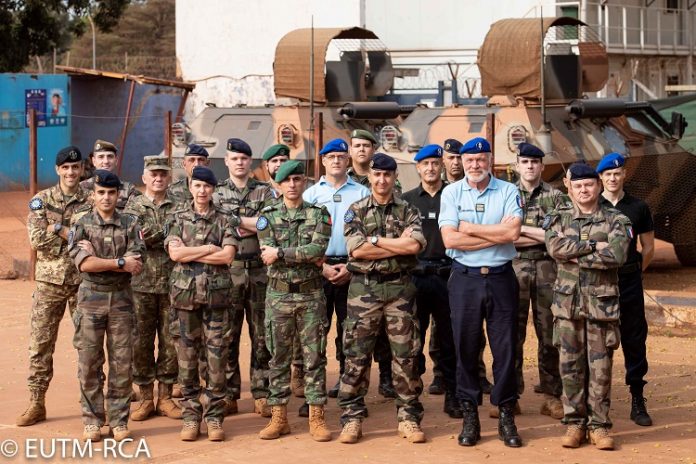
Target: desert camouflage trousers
[[152, 318], [586, 350], [48, 307], [372, 306], [290, 317], [536, 278], [100, 315]]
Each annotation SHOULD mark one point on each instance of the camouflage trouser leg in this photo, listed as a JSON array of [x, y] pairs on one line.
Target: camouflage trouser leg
[[47, 310], [434, 348], [371, 307], [586, 350], [99, 315], [202, 330], [248, 298], [288, 317], [536, 279], [152, 315], [297, 357]]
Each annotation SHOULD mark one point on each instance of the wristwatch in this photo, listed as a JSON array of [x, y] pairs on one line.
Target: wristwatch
[[121, 262], [281, 253], [593, 245], [57, 227], [374, 239]]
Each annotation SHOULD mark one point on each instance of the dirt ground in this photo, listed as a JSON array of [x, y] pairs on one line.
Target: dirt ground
[[671, 394]]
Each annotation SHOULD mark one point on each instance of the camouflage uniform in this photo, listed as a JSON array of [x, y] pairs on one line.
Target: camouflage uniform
[[381, 297], [249, 291], [180, 194], [105, 308], [586, 307], [56, 278], [295, 301], [200, 294], [536, 274], [151, 295], [126, 192]]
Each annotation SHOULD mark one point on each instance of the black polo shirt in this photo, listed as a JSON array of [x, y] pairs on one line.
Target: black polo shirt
[[429, 208], [641, 219]]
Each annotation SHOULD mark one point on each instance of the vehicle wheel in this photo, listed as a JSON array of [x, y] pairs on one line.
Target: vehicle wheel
[[686, 254]]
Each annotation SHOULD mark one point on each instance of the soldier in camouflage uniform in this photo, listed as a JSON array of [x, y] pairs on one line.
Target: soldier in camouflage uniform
[[194, 155], [107, 248], [273, 158], [536, 274], [589, 243], [294, 235], [244, 196], [383, 236], [201, 242], [50, 214], [105, 156], [151, 296]]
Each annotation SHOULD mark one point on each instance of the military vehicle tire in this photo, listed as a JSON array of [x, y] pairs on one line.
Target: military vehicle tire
[[686, 254]]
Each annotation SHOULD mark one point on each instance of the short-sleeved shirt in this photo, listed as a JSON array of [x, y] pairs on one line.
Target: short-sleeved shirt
[[641, 219], [429, 207], [336, 201], [461, 202]]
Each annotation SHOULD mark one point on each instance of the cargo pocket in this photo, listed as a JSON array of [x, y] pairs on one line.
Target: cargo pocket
[[269, 335], [182, 289], [612, 336], [77, 322], [605, 303], [219, 292], [564, 303]]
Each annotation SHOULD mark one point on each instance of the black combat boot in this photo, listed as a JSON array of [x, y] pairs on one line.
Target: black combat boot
[[639, 413], [452, 406], [507, 431], [386, 387], [438, 386], [471, 427]]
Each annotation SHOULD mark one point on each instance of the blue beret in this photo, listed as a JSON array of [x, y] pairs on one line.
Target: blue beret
[[339, 145], [196, 150], [527, 150], [104, 178], [476, 145], [204, 174], [238, 146], [289, 168], [453, 146], [382, 162], [429, 151], [610, 161], [580, 171], [69, 154]]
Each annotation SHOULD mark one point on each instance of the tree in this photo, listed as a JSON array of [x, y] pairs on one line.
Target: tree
[[36, 27]]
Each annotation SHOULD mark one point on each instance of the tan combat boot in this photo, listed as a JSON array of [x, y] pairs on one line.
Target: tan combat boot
[[165, 404], [121, 432], [215, 432], [91, 432], [278, 425], [176, 391], [36, 412], [552, 406], [575, 436], [262, 407], [495, 413], [146, 406], [601, 439], [317, 424], [297, 382], [412, 431], [190, 430], [352, 432]]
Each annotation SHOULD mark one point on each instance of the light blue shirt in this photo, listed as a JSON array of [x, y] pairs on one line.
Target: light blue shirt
[[461, 202], [337, 202]]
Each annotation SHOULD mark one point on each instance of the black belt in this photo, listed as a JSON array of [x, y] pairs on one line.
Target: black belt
[[307, 286], [336, 259], [381, 278], [247, 260], [532, 254], [439, 267], [105, 287], [483, 270], [630, 268]]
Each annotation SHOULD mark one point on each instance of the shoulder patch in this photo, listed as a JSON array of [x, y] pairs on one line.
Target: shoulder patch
[[262, 223], [349, 216], [36, 204], [548, 220], [629, 231], [520, 201]]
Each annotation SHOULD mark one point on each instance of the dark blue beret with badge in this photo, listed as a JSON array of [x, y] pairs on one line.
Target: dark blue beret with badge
[[69, 154], [429, 151], [108, 179], [527, 150], [204, 174], [610, 161], [453, 146], [475, 145], [238, 146], [289, 168], [382, 162], [336, 145], [579, 171], [196, 150]]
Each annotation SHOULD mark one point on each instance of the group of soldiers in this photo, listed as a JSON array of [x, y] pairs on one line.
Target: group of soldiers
[[186, 262]]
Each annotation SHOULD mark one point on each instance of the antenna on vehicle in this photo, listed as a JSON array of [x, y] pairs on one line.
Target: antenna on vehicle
[[543, 135]]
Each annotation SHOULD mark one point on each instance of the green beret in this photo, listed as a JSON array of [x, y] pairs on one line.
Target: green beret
[[363, 134], [276, 150], [289, 168]]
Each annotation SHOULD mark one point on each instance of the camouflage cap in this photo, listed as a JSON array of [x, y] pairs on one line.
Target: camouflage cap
[[363, 134], [156, 163], [103, 145], [288, 169], [276, 150], [69, 154]]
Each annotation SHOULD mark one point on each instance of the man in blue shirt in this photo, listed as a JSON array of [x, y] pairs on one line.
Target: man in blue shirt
[[480, 218], [336, 191]]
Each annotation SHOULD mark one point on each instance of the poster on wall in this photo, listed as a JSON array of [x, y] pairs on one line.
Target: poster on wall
[[49, 106]]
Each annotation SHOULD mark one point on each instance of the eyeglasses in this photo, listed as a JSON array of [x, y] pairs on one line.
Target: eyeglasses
[[331, 158]]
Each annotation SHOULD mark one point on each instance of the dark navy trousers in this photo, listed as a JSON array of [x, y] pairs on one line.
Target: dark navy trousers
[[634, 329]]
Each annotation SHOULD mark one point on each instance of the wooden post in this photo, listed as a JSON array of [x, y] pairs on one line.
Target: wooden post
[[168, 136], [124, 132], [318, 143], [33, 177]]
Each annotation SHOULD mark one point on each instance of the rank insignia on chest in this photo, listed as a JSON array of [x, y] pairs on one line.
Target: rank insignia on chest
[[337, 198], [107, 239], [520, 201], [35, 204], [584, 236], [200, 236], [261, 223], [529, 221], [480, 208], [432, 215], [349, 216]]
